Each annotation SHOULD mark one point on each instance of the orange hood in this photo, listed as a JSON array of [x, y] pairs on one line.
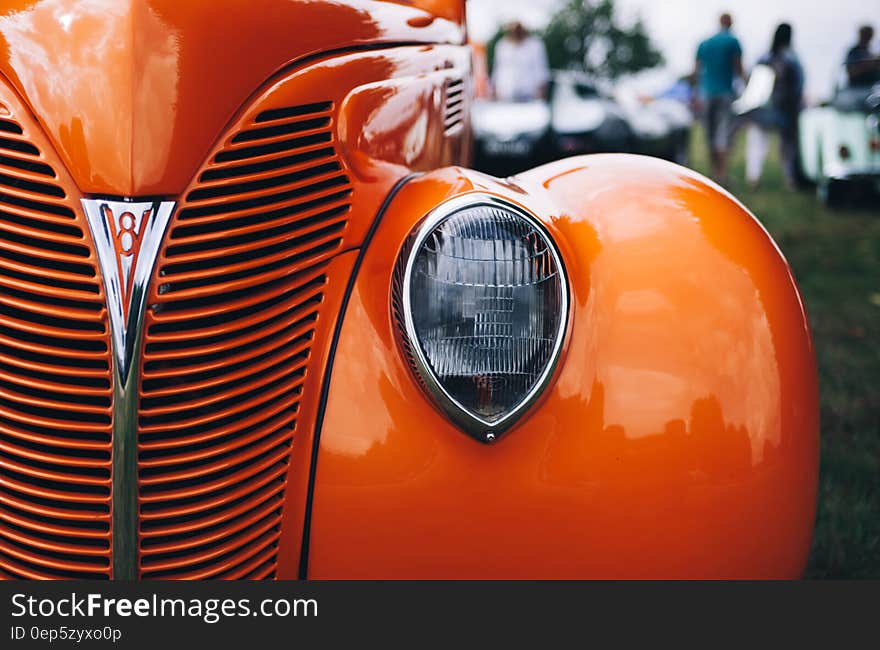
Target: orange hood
[[133, 93]]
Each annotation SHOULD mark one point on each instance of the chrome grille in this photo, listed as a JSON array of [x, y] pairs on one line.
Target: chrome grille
[[227, 347], [453, 113], [55, 385]]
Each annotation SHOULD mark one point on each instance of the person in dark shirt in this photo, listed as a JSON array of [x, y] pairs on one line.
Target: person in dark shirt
[[862, 66], [782, 111], [718, 63]]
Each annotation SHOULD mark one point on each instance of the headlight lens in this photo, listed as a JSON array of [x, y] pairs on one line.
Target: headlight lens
[[484, 307]]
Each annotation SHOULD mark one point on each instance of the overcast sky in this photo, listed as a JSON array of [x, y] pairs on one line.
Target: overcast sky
[[823, 29]]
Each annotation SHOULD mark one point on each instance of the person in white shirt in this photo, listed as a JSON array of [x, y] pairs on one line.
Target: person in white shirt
[[521, 72]]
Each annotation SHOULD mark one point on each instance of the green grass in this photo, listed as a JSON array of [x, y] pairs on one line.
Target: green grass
[[835, 256]]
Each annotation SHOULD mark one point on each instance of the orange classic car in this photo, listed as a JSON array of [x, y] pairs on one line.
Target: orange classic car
[[258, 319]]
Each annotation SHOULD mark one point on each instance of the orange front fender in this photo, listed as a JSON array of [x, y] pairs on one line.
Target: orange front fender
[[678, 438]]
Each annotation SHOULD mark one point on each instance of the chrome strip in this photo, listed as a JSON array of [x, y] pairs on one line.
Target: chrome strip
[[478, 427], [126, 250]]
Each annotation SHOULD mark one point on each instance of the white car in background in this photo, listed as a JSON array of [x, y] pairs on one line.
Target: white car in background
[[510, 136], [657, 107], [581, 116], [840, 143], [661, 128], [584, 119]]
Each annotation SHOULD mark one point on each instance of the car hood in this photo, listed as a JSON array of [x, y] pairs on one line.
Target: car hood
[[132, 93]]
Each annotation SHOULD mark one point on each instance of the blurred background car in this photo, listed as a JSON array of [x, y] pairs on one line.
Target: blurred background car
[[581, 116], [510, 136], [585, 120], [661, 126], [840, 143]]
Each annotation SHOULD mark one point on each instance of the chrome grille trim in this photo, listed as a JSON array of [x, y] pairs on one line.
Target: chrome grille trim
[[126, 308]]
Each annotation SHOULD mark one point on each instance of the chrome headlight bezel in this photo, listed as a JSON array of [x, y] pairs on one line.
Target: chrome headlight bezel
[[470, 423]]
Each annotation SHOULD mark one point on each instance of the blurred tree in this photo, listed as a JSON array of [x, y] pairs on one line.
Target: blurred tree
[[585, 35]]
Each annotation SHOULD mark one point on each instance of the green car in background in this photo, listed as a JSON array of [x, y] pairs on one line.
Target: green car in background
[[840, 143]]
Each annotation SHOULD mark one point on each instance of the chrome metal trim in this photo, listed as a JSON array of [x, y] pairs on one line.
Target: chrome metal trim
[[126, 266], [477, 427]]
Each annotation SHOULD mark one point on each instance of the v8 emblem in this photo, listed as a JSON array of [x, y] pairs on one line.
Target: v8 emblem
[[125, 227], [127, 237]]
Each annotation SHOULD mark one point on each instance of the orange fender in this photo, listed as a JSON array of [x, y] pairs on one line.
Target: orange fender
[[678, 437]]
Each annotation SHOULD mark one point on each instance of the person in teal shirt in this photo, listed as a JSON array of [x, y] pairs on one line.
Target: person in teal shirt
[[719, 62]]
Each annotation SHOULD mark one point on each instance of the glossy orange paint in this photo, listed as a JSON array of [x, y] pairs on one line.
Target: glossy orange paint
[[678, 438], [132, 93]]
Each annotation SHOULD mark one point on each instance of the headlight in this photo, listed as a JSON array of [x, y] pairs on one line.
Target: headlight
[[482, 302]]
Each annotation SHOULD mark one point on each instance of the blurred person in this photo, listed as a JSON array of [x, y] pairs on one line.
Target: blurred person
[[521, 72], [780, 113], [718, 63], [862, 66]]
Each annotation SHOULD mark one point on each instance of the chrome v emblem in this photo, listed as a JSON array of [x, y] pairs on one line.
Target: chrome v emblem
[[127, 236]]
